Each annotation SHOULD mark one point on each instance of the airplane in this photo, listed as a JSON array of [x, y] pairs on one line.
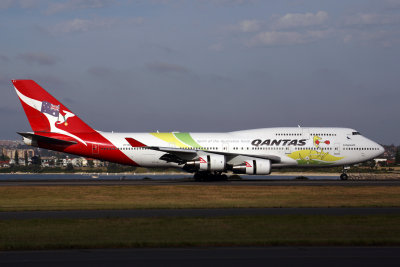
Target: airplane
[[207, 155]]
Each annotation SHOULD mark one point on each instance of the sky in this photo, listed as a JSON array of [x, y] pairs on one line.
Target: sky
[[207, 66]]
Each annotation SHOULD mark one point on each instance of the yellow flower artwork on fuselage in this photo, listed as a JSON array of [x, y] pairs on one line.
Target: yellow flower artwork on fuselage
[[316, 156]]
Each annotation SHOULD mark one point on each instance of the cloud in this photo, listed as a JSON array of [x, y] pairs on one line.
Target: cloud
[[285, 22], [385, 38], [289, 29], [249, 25], [163, 67], [245, 26], [276, 38], [371, 28], [82, 25], [85, 25], [38, 58], [70, 5], [299, 20], [272, 38], [371, 19]]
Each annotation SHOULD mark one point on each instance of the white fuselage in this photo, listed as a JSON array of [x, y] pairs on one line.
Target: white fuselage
[[297, 146]]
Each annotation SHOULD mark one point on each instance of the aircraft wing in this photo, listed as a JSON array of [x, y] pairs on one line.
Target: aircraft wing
[[177, 153]]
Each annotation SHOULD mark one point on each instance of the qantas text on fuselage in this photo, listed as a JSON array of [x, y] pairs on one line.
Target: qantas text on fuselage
[[275, 142]]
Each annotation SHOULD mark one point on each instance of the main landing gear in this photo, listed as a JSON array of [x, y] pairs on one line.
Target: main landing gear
[[208, 176], [344, 175]]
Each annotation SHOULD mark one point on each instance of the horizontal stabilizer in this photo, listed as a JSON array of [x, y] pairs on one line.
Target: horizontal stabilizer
[[34, 138]]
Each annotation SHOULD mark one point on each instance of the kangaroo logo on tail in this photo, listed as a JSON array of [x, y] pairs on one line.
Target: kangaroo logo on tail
[[65, 117], [54, 110]]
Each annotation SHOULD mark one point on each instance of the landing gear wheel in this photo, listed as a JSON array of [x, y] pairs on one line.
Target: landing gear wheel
[[344, 175]]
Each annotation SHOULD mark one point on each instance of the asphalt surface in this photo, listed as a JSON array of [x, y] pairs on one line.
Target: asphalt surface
[[94, 182], [136, 213], [238, 256]]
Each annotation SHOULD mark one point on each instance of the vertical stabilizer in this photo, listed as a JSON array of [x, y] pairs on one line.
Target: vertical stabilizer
[[45, 113]]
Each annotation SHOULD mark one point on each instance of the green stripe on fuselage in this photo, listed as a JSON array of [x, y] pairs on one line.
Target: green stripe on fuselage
[[187, 139]]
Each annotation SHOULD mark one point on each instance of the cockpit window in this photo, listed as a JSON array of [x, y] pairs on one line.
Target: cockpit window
[[356, 133]]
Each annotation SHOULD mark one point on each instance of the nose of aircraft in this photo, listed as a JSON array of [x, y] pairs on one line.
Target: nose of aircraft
[[380, 151]]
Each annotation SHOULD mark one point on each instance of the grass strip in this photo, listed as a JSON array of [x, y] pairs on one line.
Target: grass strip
[[15, 198], [282, 230]]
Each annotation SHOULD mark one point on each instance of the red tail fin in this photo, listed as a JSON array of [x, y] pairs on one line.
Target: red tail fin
[[45, 113]]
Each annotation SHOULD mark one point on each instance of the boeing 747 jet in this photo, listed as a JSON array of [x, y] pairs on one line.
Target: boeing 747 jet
[[207, 155]]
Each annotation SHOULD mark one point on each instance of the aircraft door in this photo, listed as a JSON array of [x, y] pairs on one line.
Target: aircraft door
[[225, 147], [95, 149], [288, 150], [336, 149]]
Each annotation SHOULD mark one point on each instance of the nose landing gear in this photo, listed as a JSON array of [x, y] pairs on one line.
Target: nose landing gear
[[344, 175]]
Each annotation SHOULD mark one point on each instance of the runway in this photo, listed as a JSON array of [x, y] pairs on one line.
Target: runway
[[238, 256], [93, 182], [215, 256], [136, 213]]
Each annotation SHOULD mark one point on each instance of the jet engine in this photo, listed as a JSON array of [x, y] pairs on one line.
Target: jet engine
[[257, 166], [208, 162]]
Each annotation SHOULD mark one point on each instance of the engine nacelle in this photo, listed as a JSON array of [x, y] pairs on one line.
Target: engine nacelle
[[208, 162], [258, 166]]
